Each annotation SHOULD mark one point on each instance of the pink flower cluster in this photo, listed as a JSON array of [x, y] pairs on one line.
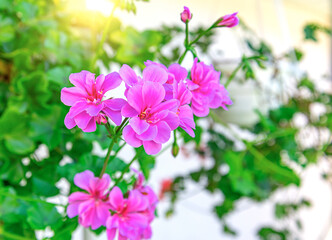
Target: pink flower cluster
[[157, 103], [126, 217]]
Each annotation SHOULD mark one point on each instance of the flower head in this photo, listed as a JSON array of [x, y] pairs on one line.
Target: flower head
[[186, 15], [207, 92], [129, 215], [230, 20], [152, 118], [91, 207], [86, 100]]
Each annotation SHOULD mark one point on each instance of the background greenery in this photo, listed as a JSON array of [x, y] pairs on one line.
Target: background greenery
[[41, 44]]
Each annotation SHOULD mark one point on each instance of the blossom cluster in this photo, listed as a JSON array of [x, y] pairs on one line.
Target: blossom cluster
[[126, 217], [158, 102]]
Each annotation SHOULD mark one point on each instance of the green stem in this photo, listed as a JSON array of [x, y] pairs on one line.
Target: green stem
[[125, 170], [114, 140], [201, 35], [103, 38], [182, 56], [108, 128], [107, 157], [231, 77]]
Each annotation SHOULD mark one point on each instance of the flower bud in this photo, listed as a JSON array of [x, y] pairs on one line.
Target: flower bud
[[175, 149], [230, 20], [186, 15], [101, 119]]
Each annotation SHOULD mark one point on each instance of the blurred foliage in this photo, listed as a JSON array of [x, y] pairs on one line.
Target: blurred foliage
[[275, 158], [41, 43]]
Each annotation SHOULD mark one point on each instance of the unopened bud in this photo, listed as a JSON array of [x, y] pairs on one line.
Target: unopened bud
[[175, 149]]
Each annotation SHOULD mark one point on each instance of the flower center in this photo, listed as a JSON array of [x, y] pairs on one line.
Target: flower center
[[95, 96]]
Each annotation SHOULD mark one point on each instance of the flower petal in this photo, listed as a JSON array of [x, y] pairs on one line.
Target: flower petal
[[151, 147], [91, 127], [154, 73], [149, 134], [153, 94], [116, 199], [128, 111], [79, 79], [135, 98], [112, 80], [164, 132], [130, 137], [82, 180], [69, 122], [180, 73], [138, 125], [69, 96], [128, 75]]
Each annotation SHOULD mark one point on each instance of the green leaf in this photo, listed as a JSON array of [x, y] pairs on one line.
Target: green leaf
[[42, 215], [43, 188], [21, 145], [59, 75]]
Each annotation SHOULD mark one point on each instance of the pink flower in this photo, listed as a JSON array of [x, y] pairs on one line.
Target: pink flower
[[86, 100], [207, 92], [92, 207], [152, 118], [176, 88], [230, 20], [186, 15], [152, 198], [129, 216]]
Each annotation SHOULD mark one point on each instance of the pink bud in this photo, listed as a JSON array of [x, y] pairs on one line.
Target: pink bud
[[230, 20], [186, 15], [101, 119]]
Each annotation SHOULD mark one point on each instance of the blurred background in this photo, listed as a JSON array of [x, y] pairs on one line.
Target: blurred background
[[262, 170]]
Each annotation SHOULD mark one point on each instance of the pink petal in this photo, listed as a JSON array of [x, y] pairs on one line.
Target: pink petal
[[138, 125], [136, 202], [138, 219], [69, 122], [83, 119], [77, 108], [112, 80], [116, 199], [103, 213], [164, 132], [79, 79], [115, 116], [69, 96], [94, 109], [130, 137], [153, 94], [180, 73], [111, 233], [154, 73], [128, 75], [91, 127], [151, 147], [171, 105], [149, 134], [78, 197], [72, 210], [82, 179], [128, 111], [172, 120], [135, 98], [115, 104]]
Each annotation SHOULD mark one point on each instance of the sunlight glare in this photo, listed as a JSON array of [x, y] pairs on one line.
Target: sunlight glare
[[103, 6]]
